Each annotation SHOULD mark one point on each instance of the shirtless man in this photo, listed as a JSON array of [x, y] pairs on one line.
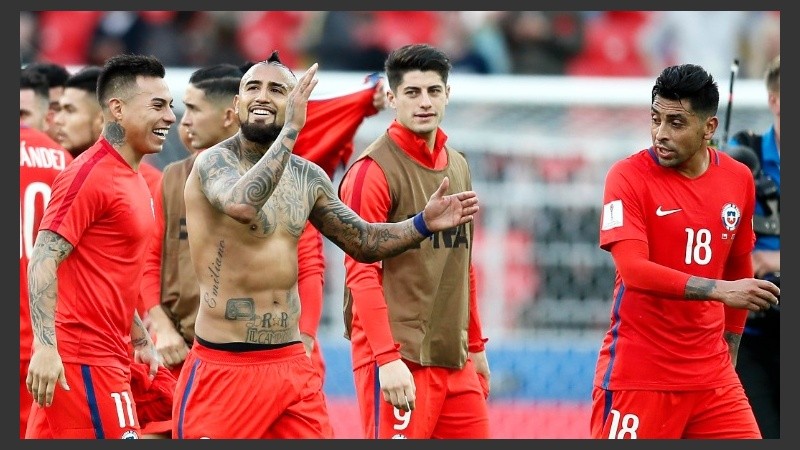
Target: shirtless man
[[247, 201]]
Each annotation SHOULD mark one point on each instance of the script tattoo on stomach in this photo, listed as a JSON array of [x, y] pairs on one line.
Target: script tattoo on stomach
[[267, 328]]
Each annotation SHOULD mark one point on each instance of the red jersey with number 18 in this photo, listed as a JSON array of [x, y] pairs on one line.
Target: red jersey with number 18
[[690, 225]]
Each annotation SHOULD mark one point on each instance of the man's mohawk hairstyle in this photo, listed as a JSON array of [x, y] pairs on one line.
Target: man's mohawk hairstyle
[[275, 59]]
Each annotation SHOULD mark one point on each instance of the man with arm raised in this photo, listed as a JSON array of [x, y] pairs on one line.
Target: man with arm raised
[[247, 201]]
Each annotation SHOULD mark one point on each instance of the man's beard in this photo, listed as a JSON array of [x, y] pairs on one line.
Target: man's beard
[[259, 133]]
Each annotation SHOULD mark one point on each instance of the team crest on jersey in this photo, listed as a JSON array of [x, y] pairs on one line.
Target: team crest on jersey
[[731, 216], [130, 434]]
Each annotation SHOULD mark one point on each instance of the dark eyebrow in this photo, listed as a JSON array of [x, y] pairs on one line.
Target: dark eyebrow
[[277, 84]]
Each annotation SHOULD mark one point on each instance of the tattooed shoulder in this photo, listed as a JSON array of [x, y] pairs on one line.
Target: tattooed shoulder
[[53, 245]]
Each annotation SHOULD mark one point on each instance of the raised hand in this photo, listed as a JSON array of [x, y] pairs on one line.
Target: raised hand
[[298, 98], [447, 211]]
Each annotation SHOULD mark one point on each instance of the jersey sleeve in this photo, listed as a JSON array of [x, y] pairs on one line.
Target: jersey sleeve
[[366, 191], [310, 279], [78, 199], [622, 215]]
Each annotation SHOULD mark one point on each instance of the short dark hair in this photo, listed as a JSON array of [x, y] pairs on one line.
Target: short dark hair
[[773, 75], [422, 57], [688, 82], [215, 71], [120, 72], [220, 89], [32, 79], [56, 74], [85, 79]]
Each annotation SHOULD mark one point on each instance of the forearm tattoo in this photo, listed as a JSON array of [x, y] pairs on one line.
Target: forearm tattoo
[[228, 189], [698, 288], [266, 328], [733, 340], [139, 334], [49, 251], [364, 241], [114, 134]]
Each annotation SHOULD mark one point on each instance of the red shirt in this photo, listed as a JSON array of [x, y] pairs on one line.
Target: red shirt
[[40, 160], [104, 209], [656, 340], [371, 336]]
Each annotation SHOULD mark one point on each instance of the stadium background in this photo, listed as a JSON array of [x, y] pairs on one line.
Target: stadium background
[[539, 147]]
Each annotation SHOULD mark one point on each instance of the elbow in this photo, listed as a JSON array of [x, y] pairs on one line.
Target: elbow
[[366, 258], [244, 214]]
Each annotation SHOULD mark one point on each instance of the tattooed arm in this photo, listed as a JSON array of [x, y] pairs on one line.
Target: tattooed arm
[[241, 196], [45, 368], [49, 251], [370, 242], [733, 340], [631, 259], [143, 347]]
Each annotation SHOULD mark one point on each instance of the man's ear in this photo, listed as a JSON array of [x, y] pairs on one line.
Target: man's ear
[[711, 127], [115, 107], [231, 117]]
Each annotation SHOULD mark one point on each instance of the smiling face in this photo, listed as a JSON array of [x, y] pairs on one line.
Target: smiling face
[[146, 115], [261, 102]]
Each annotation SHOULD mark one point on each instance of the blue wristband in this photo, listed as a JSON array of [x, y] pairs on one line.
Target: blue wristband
[[419, 224]]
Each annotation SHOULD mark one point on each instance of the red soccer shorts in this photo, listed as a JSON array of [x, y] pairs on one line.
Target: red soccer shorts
[[721, 413]]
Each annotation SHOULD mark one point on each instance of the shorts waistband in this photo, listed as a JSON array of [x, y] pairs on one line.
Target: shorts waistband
[[235, 353]]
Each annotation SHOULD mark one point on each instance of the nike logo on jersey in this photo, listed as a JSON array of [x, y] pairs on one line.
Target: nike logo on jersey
[[662, 212]]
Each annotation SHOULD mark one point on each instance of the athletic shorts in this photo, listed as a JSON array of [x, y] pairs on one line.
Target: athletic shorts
[[249, 394], [450, 404], [721, 413], [98, 405]]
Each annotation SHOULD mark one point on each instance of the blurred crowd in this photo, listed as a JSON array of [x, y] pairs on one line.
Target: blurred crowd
[[590, 43]]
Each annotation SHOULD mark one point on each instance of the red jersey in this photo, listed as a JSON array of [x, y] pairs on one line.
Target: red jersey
[[152, 176], [40, 160], [105, 210], [690, 225]]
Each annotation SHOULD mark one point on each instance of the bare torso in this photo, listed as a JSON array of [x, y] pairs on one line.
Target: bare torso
[[248, 272]]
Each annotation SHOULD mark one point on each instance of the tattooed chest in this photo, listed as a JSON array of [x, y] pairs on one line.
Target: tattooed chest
[[287, 208]]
